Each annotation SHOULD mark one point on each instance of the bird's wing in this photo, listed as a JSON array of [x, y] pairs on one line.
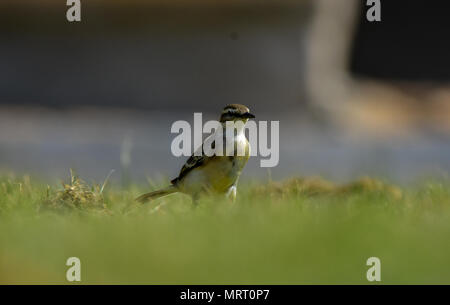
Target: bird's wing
[[191, 163], [194, 161]]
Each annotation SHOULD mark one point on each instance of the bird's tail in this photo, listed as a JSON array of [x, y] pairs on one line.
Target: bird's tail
[[157, 194]]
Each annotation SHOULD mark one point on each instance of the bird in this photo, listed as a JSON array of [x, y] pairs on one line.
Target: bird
[[216, 173]]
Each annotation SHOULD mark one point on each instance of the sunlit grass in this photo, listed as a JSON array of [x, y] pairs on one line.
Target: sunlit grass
[[292, 232]]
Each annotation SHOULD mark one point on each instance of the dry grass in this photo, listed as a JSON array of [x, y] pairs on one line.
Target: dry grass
[[76, 195], [317, 186]]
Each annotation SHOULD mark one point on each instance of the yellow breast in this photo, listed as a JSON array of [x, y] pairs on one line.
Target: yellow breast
[[216, 174]]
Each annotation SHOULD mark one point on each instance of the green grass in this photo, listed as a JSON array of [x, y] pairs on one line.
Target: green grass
[[297, 232]]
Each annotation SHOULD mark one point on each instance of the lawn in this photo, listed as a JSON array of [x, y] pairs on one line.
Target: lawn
[[298, 231]]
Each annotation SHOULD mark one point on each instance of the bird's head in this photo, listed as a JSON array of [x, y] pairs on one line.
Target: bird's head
[[236, 112]]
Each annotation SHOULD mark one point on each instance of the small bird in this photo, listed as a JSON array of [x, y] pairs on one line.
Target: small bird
[[213, 173]]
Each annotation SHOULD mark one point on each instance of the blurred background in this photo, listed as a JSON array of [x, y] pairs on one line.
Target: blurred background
[[353, 97]]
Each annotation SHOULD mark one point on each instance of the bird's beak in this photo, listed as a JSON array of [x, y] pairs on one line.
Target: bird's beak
[[248, 115]]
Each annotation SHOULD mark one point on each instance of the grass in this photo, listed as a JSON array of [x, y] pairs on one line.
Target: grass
[[300, 231]]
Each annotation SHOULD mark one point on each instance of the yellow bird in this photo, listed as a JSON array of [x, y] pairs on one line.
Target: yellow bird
[[216, 173]]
